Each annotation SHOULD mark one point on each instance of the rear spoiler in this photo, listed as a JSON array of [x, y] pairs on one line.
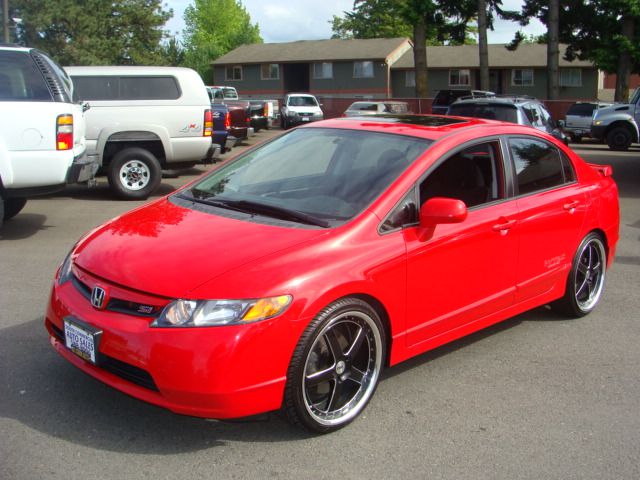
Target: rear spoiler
[[603, 170]]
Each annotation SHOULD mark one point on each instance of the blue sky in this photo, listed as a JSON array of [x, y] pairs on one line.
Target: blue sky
[[291, 20]]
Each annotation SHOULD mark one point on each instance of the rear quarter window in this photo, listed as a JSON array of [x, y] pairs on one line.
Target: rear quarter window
[[115, 87], [21, 80]]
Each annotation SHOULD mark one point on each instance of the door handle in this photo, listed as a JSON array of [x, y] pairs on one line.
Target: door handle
[[571, 206], [504, 226]]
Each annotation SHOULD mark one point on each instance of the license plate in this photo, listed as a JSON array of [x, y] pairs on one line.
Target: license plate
[[305, 119], [81, 339]]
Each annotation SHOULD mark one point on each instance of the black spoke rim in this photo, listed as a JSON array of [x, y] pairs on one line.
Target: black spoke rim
[[342, 368], [590, 273]]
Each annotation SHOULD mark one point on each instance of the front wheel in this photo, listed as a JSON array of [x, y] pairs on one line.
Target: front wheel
[[335, 368], [586, 278], [134, 174], [619, 138]]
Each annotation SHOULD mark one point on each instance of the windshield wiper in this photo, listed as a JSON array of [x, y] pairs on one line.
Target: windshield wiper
[[280, 212], [248, 206]]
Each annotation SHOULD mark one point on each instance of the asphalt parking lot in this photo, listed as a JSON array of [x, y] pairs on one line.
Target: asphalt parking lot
[[535, 397]]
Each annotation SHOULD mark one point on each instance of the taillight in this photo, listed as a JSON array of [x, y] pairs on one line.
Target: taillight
[[208, 124], [248, 121], [64, 132], [227, 120]]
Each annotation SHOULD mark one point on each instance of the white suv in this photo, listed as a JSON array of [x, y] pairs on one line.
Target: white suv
[[300, 108], [42, 133], [143, 120]]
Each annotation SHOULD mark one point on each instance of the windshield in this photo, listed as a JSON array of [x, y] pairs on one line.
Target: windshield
[[316, 176], [505, 113], [302, 102]]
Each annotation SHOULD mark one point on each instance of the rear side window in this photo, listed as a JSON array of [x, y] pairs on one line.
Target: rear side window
[[538, 165], [581, 109], [21, 80], [101, 87]]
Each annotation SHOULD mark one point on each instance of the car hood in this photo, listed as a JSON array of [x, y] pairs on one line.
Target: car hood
[[168, 250], [305, 109], [613, 109]]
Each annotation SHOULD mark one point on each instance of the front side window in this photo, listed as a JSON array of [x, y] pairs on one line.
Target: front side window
[[363, 69], [538, 165], [323, 70], [270, 71], [459, 77], [474, 175], [233, 72], [522, 77], [328, 175], [570, 77]]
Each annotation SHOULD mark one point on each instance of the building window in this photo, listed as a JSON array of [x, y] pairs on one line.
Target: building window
[[363, 69], [270, 71], [323, 70], [570, 77], [233, 72], [522, 77], [410, 78], [460, 78]]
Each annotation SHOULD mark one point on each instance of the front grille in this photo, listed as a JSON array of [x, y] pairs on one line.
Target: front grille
[[119, 305], [117, 367]]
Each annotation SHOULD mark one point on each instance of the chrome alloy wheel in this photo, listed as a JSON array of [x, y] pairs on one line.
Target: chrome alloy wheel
[[134, 175], [590, 274], [342, 368]]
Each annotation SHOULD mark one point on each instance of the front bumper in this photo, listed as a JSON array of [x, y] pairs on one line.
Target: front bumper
[[83, 169], [215, 372], [598, 131]]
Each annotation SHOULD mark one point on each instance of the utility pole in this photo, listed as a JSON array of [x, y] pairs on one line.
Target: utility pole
[[5, 21]]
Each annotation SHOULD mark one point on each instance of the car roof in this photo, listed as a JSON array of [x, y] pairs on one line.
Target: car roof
[[432, 127], [124, 70], [14, 48]]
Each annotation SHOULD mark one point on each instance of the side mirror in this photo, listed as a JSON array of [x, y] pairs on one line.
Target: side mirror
[[561, 123], [440, 210], [85, 106]]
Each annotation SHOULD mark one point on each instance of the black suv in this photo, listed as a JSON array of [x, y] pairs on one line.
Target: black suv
[[521, 110], [444, 98]]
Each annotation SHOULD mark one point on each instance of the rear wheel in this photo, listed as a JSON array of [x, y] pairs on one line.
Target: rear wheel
[[335, 368], [134, 174], [586, 278], [619, 138], [13, 206]]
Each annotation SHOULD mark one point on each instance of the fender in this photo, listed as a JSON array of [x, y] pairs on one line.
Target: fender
[[132, 132], [609, 116]]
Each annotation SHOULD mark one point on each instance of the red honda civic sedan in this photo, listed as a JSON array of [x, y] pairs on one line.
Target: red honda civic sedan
[[291, 276]]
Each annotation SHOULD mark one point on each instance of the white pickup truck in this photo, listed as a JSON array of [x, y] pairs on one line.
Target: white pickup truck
[[143, 120], [42, 132]]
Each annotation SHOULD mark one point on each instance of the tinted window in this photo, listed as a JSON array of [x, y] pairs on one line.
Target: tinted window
[[537, 164], [113, 87], [505, 113], [567, 169], [20, 79], [326, 173], [581, 109], [473, 176]]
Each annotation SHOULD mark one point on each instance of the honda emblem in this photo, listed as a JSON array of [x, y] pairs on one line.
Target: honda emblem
[[99, 298]]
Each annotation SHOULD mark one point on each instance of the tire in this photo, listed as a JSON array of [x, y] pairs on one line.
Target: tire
[[134, 174], [586, 280], [1, 211], [12, 207], [285, 124], [619, 138], [335, 367]]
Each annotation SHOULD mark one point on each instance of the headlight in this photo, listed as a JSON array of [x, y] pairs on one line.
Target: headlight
[[597, 122], [65, 274], [211, 313]]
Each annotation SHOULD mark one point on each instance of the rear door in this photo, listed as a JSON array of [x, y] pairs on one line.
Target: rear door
[[552, 208]]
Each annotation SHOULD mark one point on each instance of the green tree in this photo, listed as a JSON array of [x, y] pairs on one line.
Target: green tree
[[93, 32], [213, 28], [172, 53]]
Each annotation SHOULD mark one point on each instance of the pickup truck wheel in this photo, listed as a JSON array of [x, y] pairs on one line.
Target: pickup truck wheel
[[619, 138], [12, 207], [134, 174]]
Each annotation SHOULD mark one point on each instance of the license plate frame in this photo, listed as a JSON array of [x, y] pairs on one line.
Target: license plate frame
[[82, 339]]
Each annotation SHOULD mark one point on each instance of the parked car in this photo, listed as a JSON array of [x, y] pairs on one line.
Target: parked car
[[373, 108], [259, 112], [340, 248], [42, 131], [298, 108], [522, 110], [577, 123], [617, 125], [143, 120], [221, 127], [444, 98]]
